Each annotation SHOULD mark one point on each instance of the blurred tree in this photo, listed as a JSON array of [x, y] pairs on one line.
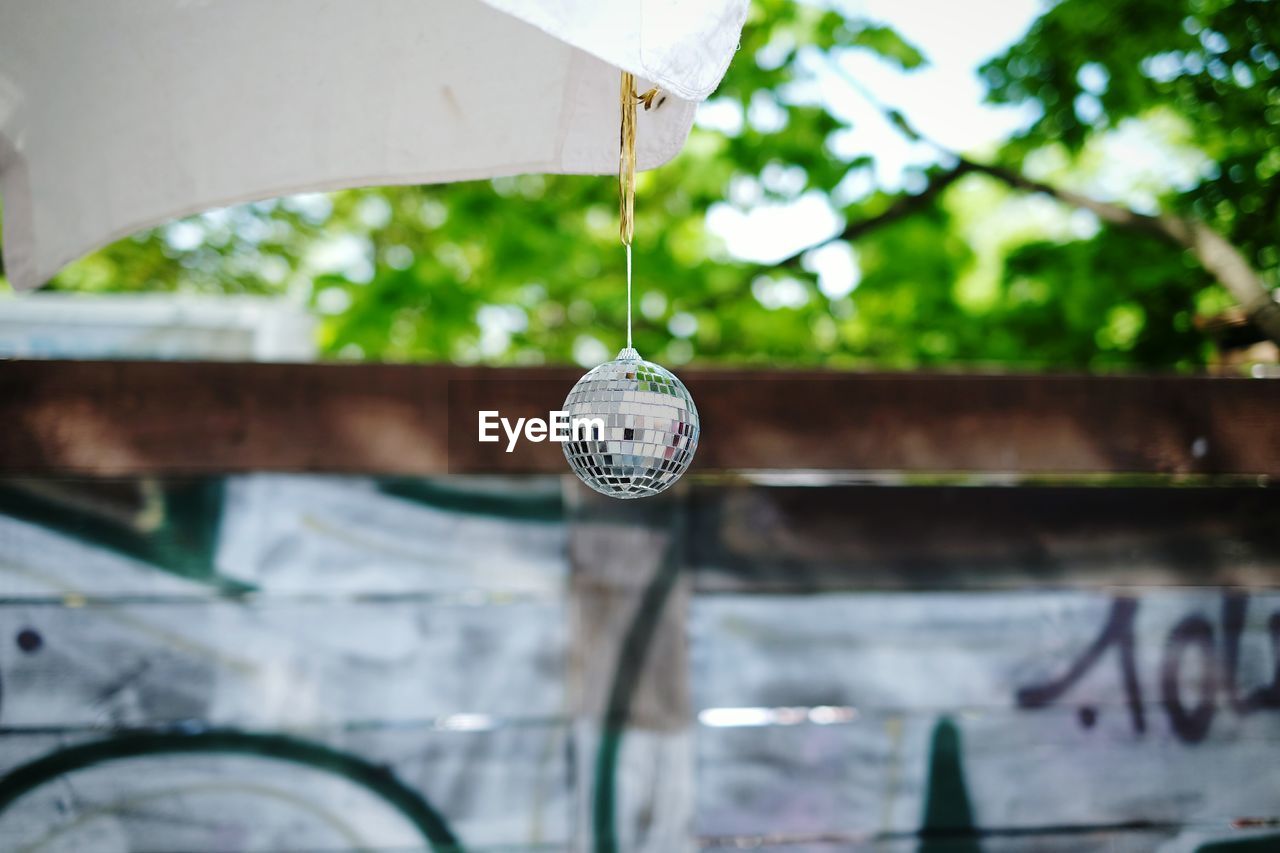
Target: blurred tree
[[527, 269], [1090, 65]]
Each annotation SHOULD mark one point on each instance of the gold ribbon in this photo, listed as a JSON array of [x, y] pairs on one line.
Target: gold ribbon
[[627, 153]]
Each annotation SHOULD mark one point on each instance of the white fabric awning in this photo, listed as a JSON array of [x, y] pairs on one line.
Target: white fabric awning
[[116, 116]]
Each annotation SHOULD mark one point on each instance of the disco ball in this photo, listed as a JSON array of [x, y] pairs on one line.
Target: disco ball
[[633, 427]]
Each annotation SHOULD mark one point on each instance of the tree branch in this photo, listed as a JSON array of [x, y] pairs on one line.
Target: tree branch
[[901, 208], [1216, 254], [908, 204]]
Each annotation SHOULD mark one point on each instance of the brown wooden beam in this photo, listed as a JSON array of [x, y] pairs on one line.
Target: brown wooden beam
[[745, 538], [127, 418]]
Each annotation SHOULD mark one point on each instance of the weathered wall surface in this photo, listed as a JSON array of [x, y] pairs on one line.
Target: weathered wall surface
[[311, 663]]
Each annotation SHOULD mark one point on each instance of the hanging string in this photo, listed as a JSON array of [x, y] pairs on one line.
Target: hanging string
[[628, 296], [627, 170], [627, 179]]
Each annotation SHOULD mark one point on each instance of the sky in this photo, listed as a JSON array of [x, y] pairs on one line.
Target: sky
[[943, 99]]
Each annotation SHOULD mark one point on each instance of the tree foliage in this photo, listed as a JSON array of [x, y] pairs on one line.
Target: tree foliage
[[1090, 65], [528, 269]]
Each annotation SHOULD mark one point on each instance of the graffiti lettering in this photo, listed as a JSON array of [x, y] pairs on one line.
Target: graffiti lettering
[[1190, 642], [1191, 724], [1117, 632]]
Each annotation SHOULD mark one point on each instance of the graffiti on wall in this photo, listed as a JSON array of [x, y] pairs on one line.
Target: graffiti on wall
[[320, 663], [1218, 684]]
